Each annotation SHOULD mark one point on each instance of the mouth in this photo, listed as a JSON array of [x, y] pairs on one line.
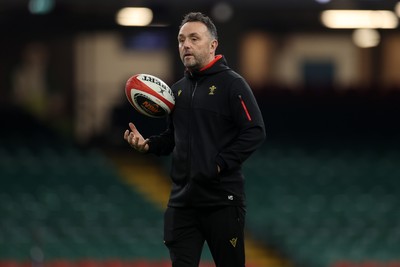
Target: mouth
[[187, 55]]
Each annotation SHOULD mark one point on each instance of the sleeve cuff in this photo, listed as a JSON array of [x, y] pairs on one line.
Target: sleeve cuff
[[221, 163]]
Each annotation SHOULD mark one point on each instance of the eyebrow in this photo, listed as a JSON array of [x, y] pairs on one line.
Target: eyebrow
[[190, 34]]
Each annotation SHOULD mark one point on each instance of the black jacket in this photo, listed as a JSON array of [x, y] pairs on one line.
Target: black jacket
[[216, 121]]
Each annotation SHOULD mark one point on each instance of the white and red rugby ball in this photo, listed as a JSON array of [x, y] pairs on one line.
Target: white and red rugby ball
[[149, 95]]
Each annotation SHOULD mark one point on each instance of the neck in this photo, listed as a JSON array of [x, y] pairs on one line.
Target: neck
[[211, 62]]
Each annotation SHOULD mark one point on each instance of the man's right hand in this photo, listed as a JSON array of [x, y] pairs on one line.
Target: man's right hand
[[135, 139]]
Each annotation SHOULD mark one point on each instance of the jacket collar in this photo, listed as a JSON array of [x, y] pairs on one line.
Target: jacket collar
[[209, 65], [216, 65]]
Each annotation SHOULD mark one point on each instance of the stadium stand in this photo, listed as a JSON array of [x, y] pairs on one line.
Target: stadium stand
[[321, 206], [323, 191], [58, 202]]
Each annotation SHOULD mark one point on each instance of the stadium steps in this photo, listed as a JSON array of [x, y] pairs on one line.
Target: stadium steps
[[70, 204], [325, 205], [148, 177], [144, 175]]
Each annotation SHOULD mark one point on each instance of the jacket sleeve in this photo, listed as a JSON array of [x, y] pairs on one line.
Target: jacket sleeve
[[164, 143], [250, 124]]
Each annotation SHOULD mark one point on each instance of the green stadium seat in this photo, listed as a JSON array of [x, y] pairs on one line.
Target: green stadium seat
[[322, 205]]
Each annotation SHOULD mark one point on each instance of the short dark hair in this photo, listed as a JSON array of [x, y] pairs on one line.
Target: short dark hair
[[200, 17]]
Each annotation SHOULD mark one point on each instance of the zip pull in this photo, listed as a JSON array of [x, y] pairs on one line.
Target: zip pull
[[244, 107], [194, 89]]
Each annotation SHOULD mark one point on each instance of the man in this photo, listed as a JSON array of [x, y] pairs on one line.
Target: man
[[215, 126]]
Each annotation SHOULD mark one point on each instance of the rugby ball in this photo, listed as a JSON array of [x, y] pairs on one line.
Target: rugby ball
[[149, 95]]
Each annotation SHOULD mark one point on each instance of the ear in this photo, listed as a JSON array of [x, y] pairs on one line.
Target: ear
[[213, 46]]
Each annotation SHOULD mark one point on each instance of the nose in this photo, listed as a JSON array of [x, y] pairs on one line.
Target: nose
[[186, 43]]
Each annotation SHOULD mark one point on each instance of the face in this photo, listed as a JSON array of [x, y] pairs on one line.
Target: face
[[196, 45]]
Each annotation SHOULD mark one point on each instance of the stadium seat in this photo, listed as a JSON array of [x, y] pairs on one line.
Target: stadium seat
[[325, 206], [9, 263]]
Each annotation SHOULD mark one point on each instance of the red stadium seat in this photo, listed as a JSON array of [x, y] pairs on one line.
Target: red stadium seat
[[9, 263], [393, 264], [206, 264], [59, 263], [165, 263], [138, 263], [114, 263], [372, 263], [88, 263], [345, 263]]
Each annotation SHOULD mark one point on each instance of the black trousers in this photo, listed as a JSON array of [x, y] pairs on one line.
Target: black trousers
[[186, 230]]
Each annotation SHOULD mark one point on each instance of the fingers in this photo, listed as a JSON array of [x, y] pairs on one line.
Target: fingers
[[133, 128], [139, 144], [135, 139], [132, 139], [145, 142], [145, 146], [126, 135]]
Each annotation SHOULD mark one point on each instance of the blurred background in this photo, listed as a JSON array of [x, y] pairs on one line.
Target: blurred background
[[323, 190]]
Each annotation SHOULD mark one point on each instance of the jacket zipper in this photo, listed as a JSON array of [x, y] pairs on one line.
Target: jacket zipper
[[190, 132], [194, 90], [244, 107]]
